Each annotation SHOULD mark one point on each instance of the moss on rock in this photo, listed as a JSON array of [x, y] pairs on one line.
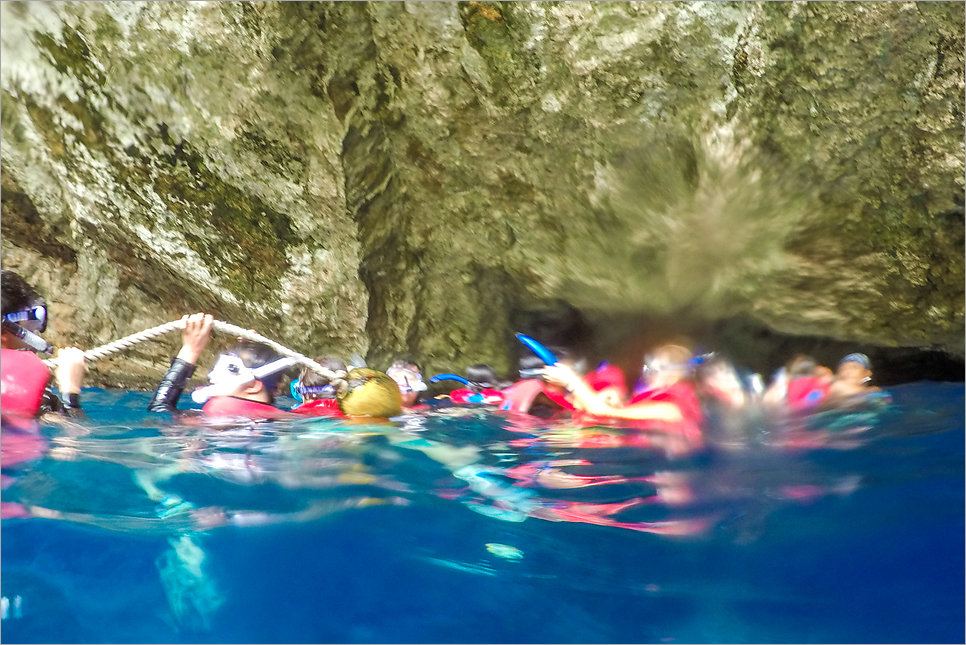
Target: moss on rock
[[403, 177]]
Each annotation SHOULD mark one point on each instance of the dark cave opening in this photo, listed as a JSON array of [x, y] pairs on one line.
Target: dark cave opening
[[624, 339]]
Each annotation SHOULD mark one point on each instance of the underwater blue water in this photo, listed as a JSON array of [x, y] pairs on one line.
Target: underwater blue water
[[843, 528]]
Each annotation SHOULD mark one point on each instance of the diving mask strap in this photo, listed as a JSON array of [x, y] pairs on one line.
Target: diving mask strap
[[228, 386]]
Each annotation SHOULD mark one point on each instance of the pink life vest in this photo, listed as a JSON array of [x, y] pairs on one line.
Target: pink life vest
[[19, 447], [519, 396], [486, 395], [680, 394], [806, 392], [23, 379], [230, 406]]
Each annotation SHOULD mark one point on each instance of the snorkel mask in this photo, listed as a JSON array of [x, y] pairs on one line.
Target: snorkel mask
[[656, 366], [230, 373], [228, 366], [407, 380], [26, 324], [299, 391]]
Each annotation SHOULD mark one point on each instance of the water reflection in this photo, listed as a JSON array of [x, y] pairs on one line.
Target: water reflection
[[183, 481], [509, 466]]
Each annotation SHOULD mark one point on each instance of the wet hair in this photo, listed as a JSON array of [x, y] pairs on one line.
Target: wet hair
[[710, 366], [406, 363], [255, 355], [485, 375], [556, 324], [16, 294], [481, 373], [310, 378], [673, 354], [800, 365], [713, 366], [530, 362]]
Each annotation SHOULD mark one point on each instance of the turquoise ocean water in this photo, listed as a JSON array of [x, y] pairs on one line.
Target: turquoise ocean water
[[466, 525]]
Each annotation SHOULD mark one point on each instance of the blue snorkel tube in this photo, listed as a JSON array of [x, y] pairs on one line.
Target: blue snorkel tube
[[542, 352], [452, 377], [295, 389]]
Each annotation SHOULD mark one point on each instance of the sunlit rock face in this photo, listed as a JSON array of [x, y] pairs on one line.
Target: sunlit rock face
[[396, 178]]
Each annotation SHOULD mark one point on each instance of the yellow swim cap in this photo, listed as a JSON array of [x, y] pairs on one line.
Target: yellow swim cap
[[370, 394]]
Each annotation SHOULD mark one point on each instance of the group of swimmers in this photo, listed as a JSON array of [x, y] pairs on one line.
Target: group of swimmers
[[675, 387], [671, 411]]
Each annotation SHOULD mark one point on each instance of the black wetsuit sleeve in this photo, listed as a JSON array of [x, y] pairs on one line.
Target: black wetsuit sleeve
[[50, 403], [69, 408], [175, 380]]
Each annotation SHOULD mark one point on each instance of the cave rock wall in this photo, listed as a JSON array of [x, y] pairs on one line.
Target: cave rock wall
[[401, 177]]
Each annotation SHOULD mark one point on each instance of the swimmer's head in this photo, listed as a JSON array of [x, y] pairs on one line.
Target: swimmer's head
[[855, 367], [313, 386], [666, 365], [250, 355], [856, 357], [608, 381], [16, 294], [717, 377], [800, 365], [24, 314], [482, 374], [530, 364], [407, 375]]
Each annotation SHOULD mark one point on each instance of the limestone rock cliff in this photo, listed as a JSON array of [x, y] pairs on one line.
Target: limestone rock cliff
[[402, 177]]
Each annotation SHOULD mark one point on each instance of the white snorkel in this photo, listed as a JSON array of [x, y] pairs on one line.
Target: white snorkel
[[230, 373]]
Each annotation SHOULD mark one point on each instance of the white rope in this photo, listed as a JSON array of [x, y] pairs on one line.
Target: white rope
[[129, 341]]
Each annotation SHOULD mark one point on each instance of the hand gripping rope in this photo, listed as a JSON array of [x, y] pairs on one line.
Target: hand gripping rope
[[338, 378]]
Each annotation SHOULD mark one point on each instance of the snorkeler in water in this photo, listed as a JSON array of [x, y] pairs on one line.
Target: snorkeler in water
[[243, 380], [26, 380], [316, 393], [801, 384], [666, 398], [852, 378], [533, 394], [407, 375], [717, 381], [669, 400]]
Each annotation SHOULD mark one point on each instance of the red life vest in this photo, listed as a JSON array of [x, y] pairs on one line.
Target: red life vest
[[683, 396], [319, 408], [23, 379], [605, 377], [230, 406], [680, 394]]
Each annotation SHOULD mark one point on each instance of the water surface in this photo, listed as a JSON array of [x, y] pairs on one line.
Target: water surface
[[465, 525]]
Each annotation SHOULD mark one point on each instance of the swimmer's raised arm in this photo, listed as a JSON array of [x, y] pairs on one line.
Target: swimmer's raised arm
[[586, 399], [195, 332], [69, 375]]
